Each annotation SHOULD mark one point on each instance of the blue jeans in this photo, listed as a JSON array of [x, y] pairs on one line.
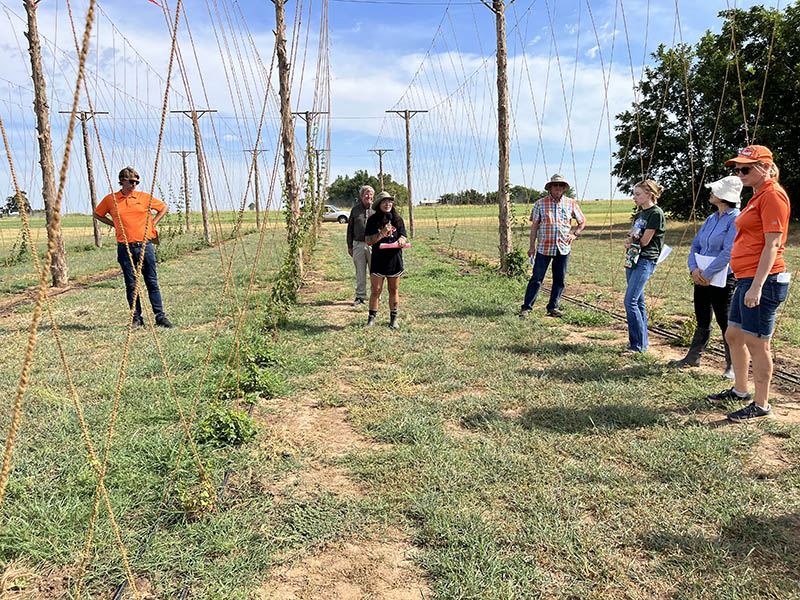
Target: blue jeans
[[540, 265], [148, 275], [635, 311]]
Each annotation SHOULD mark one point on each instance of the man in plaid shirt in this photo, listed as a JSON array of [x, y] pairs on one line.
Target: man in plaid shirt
[[551, 222]]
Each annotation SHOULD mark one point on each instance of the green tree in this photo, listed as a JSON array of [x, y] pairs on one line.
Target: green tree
[[14, 202], [344, 190], [689, 116]]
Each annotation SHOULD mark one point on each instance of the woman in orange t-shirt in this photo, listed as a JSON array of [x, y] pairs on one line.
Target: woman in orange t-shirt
[[762, 281]]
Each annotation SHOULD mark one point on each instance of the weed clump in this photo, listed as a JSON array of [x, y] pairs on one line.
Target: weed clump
[[196, 499], [225, 427], [516, 263]]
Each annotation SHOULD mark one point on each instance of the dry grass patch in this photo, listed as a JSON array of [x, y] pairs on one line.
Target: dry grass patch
[[353, 570]]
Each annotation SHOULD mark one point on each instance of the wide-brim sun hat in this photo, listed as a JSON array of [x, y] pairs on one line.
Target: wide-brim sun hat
[[728, 189], [752, 154], [557, 178], [380, 198]]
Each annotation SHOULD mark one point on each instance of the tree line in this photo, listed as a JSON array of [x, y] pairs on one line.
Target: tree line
[[692, 115], [518, 194], [344, 192]]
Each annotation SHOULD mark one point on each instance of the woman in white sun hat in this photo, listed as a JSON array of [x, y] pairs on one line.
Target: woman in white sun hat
[[709, 256]]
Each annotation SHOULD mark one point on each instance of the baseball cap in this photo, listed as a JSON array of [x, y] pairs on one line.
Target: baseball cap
[[752, 154]]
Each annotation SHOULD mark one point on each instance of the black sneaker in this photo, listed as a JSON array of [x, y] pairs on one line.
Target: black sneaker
[[749, 413], [370, 322], [164, 322], [554, 312], [358, 301], [523, 314], [137, 322], [728, 396]]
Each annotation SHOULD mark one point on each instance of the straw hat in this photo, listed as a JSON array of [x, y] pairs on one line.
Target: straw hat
[[557, 178]]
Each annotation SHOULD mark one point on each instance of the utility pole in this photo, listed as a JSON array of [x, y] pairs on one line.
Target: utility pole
[[287, 135], [184, 154], [256, 152], [407, 114], [380, 152], [308, 117], [85, 116], [506, 243], [194, 115], [55, 239]]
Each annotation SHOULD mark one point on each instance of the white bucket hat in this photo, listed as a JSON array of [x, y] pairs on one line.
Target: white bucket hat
[[728, 189]]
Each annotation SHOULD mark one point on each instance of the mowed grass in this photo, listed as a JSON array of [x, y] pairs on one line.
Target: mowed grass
[[521, 463], [46, 510]]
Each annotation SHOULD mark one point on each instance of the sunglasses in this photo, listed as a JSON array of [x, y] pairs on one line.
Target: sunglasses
[[558, 185], [133, 181]]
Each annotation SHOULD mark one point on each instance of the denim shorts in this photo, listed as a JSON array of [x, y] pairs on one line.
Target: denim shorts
[[759, 320]]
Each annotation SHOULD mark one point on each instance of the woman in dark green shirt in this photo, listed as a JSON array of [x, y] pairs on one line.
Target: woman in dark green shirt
[[644, 243]]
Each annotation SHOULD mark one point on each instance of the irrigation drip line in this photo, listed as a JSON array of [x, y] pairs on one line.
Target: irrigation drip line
[[785, 376]]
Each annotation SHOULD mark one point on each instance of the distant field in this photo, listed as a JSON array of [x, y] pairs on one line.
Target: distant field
[[78, 228], [84, 259]]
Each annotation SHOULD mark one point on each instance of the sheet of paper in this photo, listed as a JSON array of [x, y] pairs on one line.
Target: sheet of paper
[[721, 276], [665, 252]]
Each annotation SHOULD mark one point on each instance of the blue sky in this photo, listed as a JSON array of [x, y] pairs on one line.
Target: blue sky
[[383, 56]]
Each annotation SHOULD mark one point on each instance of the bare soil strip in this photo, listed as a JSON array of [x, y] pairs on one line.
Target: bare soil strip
[[378, 565]]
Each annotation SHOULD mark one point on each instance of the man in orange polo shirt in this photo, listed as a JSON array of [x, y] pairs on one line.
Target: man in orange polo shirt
[[130, 211]]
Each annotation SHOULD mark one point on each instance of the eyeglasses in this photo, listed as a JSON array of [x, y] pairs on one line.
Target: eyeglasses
[[741, 170], [558, 185], [133, 181]]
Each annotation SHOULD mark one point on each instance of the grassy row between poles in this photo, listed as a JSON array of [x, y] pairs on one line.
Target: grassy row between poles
[[521, 459]]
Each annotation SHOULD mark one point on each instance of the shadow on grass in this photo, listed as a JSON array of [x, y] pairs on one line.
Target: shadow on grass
[[312, 328], [72, 327], [555, 349], [609, 417], [469, 311], [330, 303], [486, 420], [603, 371], [769, 543]]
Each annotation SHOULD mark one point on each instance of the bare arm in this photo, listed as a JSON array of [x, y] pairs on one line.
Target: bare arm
[[105, 220], [647, 236], [534, 233], [580, 219], [772, 242], [160, 215], [371, 240]]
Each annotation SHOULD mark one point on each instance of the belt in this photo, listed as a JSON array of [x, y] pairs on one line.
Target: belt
[[132, 244]]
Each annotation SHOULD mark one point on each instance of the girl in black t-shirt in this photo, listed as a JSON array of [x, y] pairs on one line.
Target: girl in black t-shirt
[[385, 227]]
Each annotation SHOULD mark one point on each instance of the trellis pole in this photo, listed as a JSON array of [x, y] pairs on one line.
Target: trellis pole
[[55, 239], [503, 214]]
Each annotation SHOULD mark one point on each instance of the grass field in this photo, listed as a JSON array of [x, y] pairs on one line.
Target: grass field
[[84, 259], [468, 455]]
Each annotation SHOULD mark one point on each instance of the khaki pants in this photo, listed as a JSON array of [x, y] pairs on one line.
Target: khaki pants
[[362, 254]]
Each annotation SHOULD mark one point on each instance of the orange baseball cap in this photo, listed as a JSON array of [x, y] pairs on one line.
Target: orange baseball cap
[[752, 154]]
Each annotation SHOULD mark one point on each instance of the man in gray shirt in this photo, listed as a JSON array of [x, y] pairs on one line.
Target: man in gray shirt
[[356, 246]]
